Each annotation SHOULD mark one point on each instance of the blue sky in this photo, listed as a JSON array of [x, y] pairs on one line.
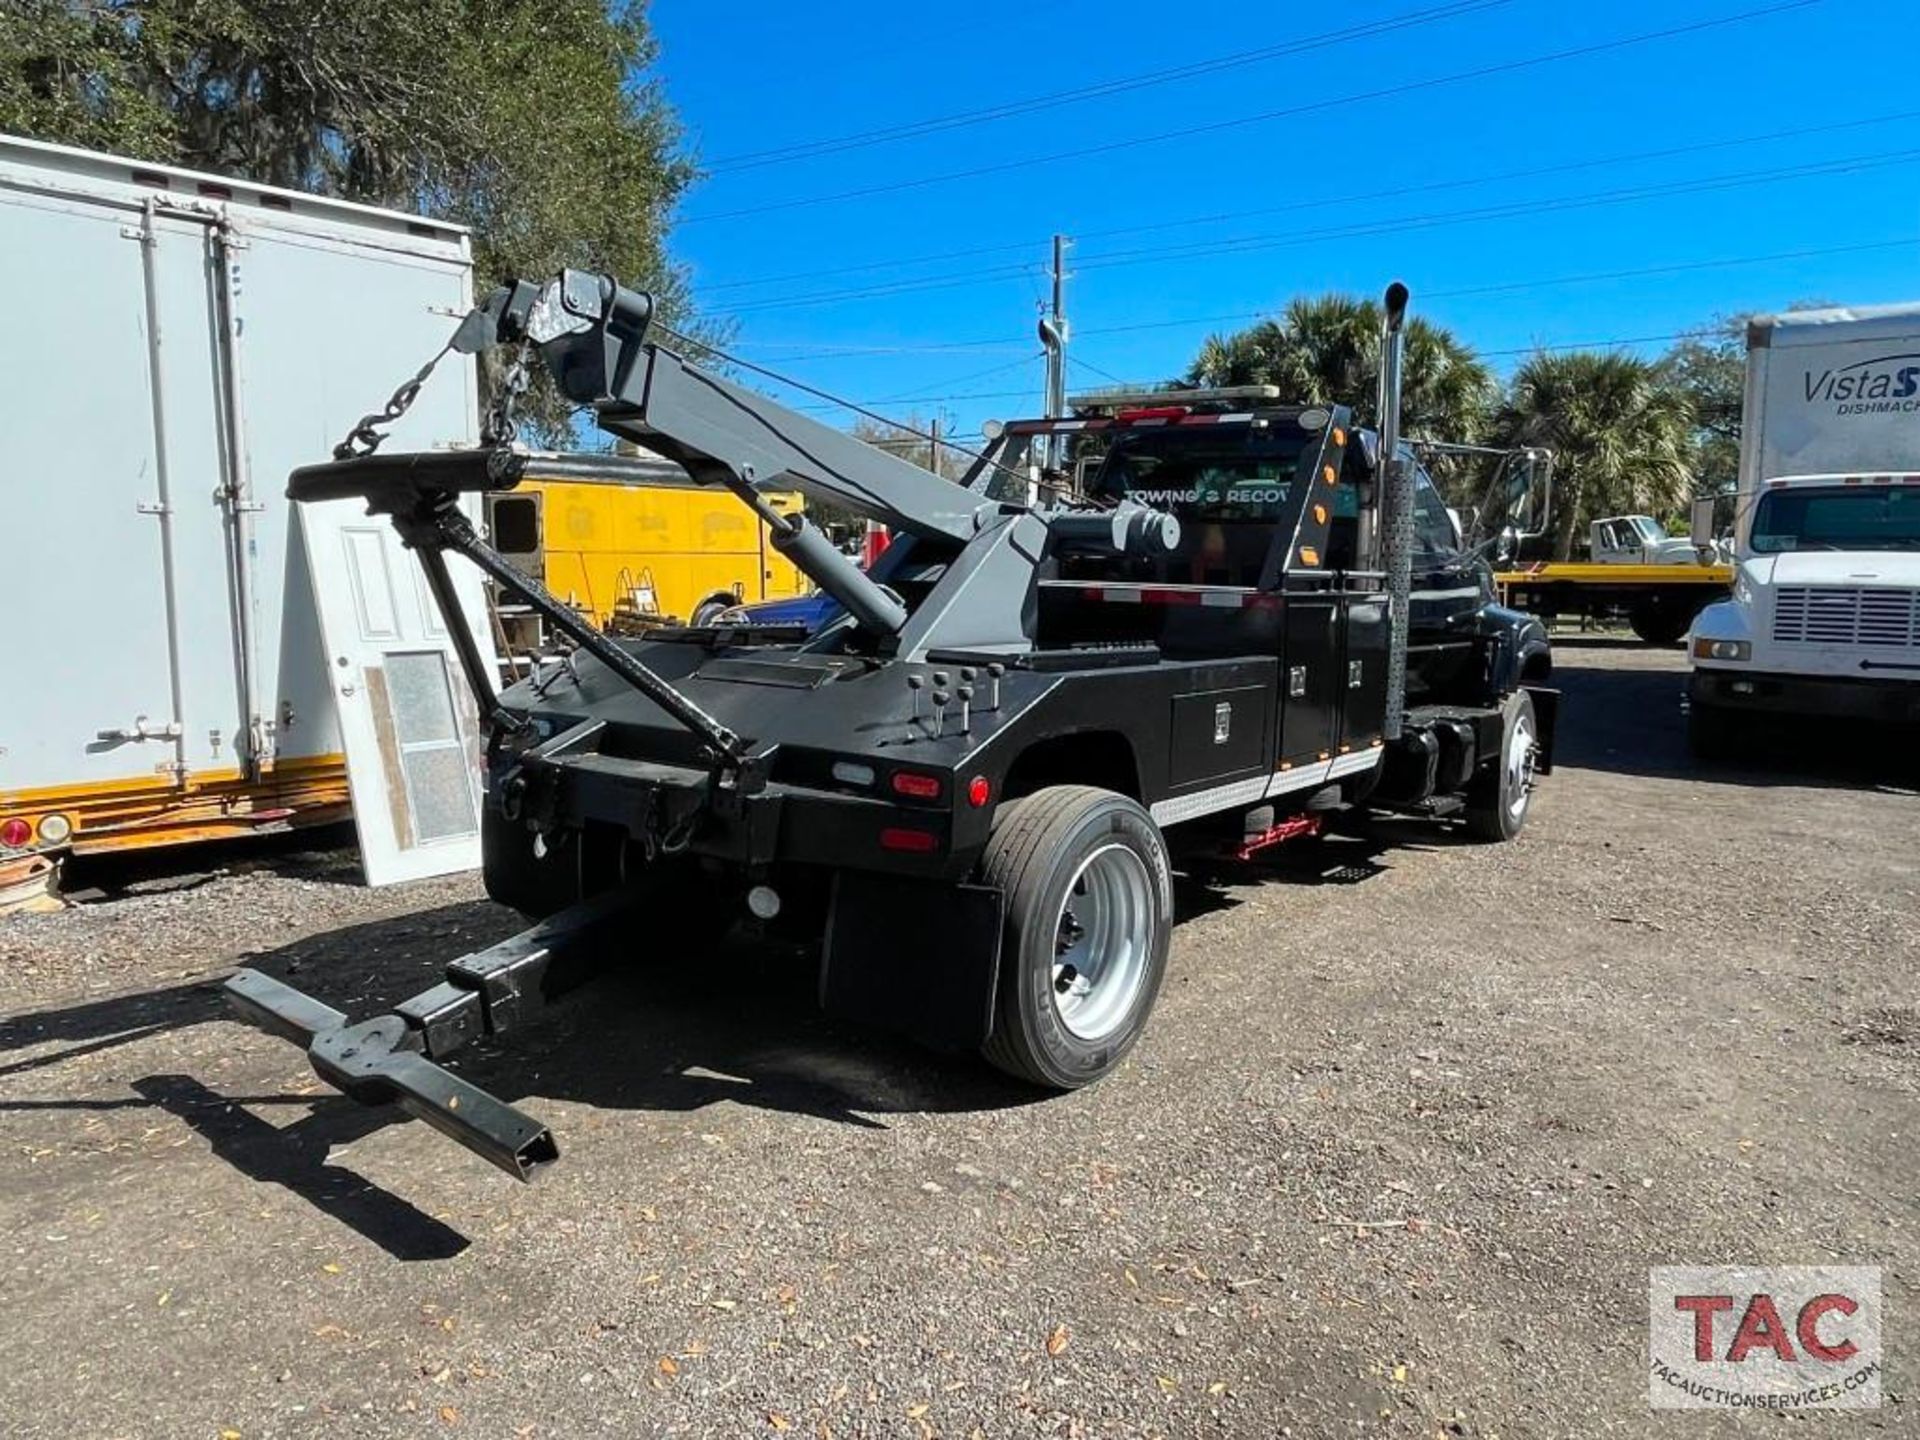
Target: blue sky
[[1755, 141]]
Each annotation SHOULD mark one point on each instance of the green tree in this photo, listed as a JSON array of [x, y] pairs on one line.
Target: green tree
[[537, 122], [1709, 365], [1326, 350], [1621, 434], [911, 441]]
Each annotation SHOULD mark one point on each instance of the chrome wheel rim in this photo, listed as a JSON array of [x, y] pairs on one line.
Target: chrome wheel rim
[[1101, 942], [1519, 762]]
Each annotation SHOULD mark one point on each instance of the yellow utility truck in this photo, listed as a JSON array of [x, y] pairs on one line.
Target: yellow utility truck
[[1637, 572], [658, 549]]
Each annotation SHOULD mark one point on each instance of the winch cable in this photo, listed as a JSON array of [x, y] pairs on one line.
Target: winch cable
[[767, 372]]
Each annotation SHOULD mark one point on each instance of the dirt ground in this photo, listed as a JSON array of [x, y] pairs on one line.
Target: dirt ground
[[1412, 1121]]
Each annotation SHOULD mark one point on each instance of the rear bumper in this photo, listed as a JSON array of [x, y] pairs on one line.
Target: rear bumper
[[1887, 701], [668, 809]]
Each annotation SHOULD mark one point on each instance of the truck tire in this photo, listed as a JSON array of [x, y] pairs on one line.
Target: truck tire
[[1661, 620], [1089, 918], [1501, 795], [711, 609]]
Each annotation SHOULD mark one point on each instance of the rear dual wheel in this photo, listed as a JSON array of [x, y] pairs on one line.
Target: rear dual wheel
[[1089, 919], [1661, 620]]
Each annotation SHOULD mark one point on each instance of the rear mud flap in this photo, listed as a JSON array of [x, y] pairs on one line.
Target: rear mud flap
[[919, 956], [1546, 713]]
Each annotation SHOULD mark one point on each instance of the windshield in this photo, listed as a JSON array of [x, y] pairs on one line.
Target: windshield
[[1880, 517], [1649, 529], [1229, 483], [1203, 474]]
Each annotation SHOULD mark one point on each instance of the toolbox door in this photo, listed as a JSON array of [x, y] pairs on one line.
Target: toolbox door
[[1218, 734], [1364, 681], [1312, 679]]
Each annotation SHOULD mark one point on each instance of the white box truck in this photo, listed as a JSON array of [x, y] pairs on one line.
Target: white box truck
[[188, 655], [1824, 619]]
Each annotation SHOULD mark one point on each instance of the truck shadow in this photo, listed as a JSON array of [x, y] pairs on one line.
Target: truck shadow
[[658, 1035], [324, 854], [1626, 720]]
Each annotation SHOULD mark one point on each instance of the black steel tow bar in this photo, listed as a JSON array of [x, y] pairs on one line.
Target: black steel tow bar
[[391, 1059]]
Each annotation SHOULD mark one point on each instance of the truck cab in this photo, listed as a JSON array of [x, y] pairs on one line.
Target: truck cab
[[1222, 461], [1640, 540], [1824, 620]]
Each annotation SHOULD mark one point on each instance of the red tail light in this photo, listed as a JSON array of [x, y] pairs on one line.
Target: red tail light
[[15, 833], [913, 842], [916, 786]]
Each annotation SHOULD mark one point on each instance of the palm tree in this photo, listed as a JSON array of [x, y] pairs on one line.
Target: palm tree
[[1325, 350], [1622, 436]]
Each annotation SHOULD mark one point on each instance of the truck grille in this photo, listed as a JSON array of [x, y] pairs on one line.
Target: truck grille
[[1843, 615]]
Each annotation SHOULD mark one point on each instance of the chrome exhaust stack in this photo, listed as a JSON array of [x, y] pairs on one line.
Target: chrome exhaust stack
[[1395, 506]]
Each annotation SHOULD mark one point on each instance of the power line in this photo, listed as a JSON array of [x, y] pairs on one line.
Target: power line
[[1643, 272], [1215, 127], [1612, 343], [813, 149], [1358, 229], [1502, 287], [1618, 342], [812, 351], [835, 402], [1459, 183], [966, 379], [1690, 186], [1086, 364], [856, 407]]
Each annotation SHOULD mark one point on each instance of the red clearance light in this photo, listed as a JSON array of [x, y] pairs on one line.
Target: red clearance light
[[1153, 412], [15, 833], [978, 791], [914, 842], [916, 786]]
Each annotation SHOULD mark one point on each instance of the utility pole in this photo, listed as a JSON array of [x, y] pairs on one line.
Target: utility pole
[[933, 445], [1053, 336]]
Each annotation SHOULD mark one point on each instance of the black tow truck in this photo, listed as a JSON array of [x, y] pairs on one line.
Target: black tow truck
[[1246, 616]]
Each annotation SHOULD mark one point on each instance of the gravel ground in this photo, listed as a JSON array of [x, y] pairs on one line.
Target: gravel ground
[[1410, 1124]]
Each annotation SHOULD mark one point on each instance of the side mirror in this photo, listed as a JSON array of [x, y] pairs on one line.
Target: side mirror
[[1702, 522], [1083, 472], [1539, 493]]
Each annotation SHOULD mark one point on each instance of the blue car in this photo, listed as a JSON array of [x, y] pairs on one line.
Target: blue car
[[812, 611]]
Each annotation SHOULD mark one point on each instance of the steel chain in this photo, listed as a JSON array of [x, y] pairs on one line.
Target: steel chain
[[366, 437], [501, 420]]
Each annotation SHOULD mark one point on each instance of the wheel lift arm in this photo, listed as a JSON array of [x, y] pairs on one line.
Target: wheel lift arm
[[393, 1058]]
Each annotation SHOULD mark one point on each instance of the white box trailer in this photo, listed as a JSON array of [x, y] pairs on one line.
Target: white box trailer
[[1825, 616], [190, 657]]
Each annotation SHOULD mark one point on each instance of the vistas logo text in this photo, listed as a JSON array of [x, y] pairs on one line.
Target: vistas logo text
[[1885, 383]]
